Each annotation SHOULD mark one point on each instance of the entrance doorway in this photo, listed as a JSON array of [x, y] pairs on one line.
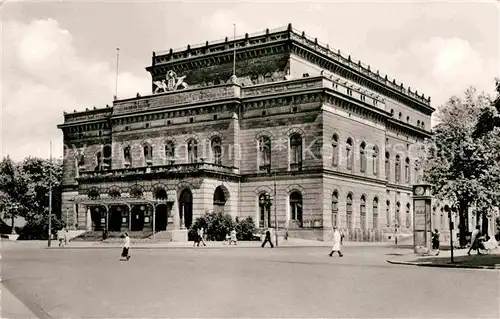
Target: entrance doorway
[[161, 216], [137, 218], [219, 200], [98, 216], [115, 218], [186, 208]]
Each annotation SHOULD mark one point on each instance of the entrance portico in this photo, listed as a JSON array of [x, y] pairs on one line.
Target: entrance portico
[[127, 214]]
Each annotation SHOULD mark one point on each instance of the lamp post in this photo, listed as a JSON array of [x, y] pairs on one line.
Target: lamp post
[[267, 203]]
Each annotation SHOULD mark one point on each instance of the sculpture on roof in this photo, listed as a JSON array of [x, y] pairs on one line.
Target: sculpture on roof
[[171, 83]]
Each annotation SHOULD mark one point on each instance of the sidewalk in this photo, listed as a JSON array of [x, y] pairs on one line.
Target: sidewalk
[[460, 260], [291, 242], [11, 307]]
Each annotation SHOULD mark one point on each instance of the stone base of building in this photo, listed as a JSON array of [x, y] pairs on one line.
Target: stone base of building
[[180, 235]]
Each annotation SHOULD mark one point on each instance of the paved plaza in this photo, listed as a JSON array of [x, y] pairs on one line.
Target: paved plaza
[[239, 282]]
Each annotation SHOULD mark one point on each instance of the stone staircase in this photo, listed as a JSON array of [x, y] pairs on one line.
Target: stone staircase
[[113, 236]]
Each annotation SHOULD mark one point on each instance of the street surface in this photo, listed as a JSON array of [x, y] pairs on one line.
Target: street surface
[[242, 282]]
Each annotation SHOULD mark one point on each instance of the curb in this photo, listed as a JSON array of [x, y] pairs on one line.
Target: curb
[[175, 247], [422, 264]]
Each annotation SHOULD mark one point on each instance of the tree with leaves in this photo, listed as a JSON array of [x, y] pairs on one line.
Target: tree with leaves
[[15, 190], [461, 165], [24, 188]]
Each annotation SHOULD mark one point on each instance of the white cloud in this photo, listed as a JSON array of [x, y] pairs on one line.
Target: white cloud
[[43, 75]]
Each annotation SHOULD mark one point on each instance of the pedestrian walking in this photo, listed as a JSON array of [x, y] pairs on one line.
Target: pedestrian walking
[[201, 233], [267, 239], [475, 242], [60, 237], [66, 237], [337, 242], [435, 241], [126, 247], [233, 238]]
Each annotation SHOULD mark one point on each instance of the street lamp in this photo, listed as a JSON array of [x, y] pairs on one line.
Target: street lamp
[[267, 202]]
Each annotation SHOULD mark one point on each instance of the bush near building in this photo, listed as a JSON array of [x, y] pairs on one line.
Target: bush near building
[[218, 225]]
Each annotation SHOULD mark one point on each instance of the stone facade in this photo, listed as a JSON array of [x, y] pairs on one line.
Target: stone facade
[[321, 135]]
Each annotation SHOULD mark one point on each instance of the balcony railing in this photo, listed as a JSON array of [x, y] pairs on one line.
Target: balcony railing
[[169, 169]]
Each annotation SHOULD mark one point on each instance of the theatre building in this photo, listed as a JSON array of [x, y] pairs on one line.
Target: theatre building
[[262, 125]]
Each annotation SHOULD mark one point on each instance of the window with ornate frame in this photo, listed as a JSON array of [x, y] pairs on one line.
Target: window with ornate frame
[[192, 151], [127, 156], [375, 213], [349, 211], [335, 208], [170, 151], [407, 170], [335, 150], [362, 157], [397, 169], [362, 212], [387, 165], [296, 152], [349, 153], [148, 153], [375, 160], [216, 147], [265, 154]]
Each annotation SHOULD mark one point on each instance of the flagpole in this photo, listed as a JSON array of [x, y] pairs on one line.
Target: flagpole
[[116, 77], [234, 49], [50, 195]]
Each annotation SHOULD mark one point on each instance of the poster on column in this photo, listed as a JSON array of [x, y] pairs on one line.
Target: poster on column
[[419, 215]]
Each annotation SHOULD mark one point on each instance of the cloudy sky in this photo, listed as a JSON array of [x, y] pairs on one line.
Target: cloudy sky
[[61, 56]]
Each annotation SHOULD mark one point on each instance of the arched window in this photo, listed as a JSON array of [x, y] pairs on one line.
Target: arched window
[[127, 156], [387, 165], [216, 150], [349, 212], [392, 112], [400, 115], [362, 212], [296, 152], [397, 169], [192, 148], [335, 150], [388, 212], [423, 125], [106, 154], [362, 157], [398, 212], [296, 207], [170, 151], [375, 213], [348, 153], [335, 208], [418, 123], [98, 159], [408, 216], [148, 153], [408, 119], [264, 154], [407, 170], [375, 160]]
